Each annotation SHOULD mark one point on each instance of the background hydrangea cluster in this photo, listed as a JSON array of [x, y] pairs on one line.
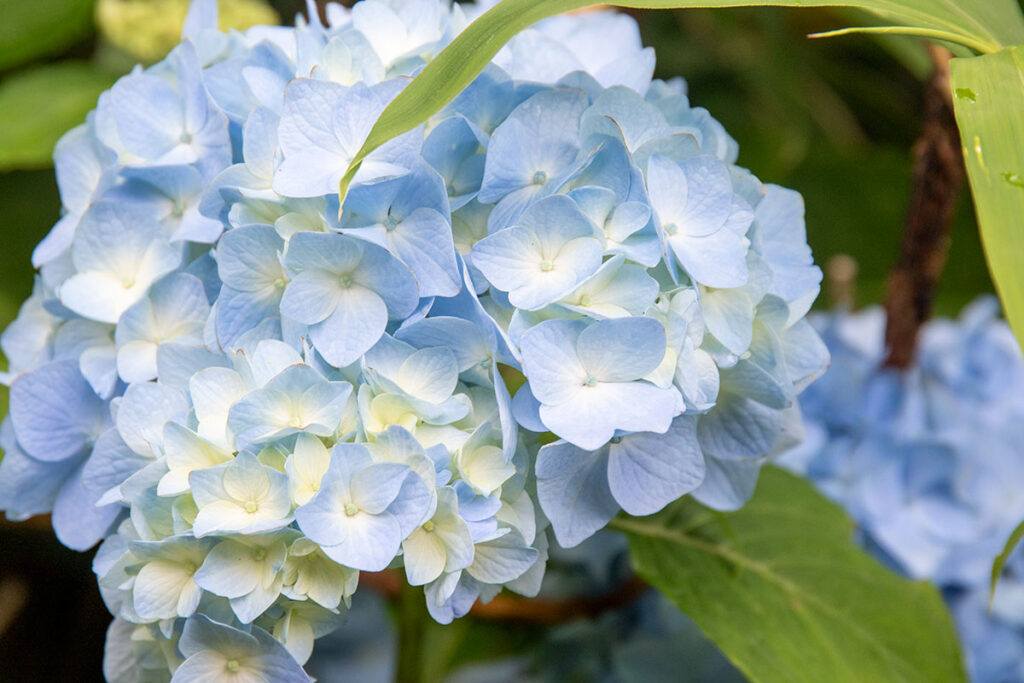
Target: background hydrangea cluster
[[251, 394], [927, 461]]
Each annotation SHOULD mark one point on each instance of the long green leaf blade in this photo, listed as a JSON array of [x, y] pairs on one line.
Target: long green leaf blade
[[988, 96], [983, 25], [780, 587], [1001, 559]]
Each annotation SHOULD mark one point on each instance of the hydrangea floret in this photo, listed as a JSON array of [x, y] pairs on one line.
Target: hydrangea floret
[[558, 298]]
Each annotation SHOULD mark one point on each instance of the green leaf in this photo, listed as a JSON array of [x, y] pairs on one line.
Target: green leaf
[[1000, 562], [988, 96], [983, 25], [782, 589], [36, 29], [40, 105]]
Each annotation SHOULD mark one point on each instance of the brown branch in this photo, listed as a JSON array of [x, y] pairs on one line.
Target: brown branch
[[938, 177], [526, 610]]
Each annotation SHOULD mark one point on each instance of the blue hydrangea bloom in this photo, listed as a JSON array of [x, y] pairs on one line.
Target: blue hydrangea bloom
[[557, 299], [927, 461]]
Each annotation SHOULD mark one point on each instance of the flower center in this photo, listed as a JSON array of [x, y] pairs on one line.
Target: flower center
[[178, 208], [390, 223], [350, 509], [428, 526], [540, 177], [233, 666], [584, 299], [590, 381], [259, 554], [345, 280], [186, 137], [616, 439], [251, 506], [671, 228], [546, 266]]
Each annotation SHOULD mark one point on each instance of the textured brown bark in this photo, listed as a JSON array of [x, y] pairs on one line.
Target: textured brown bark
[[938, 178]]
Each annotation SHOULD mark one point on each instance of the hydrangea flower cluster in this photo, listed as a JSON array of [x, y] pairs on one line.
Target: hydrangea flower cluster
[[251, 394], [927, 461]]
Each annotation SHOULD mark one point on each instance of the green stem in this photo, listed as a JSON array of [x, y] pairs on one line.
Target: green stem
[[412, 620], [979, 46]]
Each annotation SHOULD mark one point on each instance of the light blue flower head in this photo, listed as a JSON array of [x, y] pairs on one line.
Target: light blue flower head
[[250, 393]]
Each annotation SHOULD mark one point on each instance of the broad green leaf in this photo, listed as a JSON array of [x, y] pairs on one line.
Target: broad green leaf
[[988, 96], [783, 590], [983, 25], [30, 29], [1000, 562], [40, 105]]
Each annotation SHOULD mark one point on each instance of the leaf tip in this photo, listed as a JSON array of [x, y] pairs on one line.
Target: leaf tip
[[346, 181]]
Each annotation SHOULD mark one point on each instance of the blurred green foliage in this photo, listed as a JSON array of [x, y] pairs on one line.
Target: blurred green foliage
[[29, 30], [32, 119]]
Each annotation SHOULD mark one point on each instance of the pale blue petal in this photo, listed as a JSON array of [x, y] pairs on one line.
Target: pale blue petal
[[149, 114], [526, 410], [390, 279], [202, 633], [593, 415], [29, 486], [248, 258], [423, 241], [311, 296], [238, 312], [465, 339], [413, 504], [539, 136], [429, 374], [621, 349], [504, 559], [77, 521], [718, 260], [739, 428], [371, 543], [375, 487], [729, 316], [550, 361], [572, 487], [622, 114], [110, 464], [646, 472], [323, 251], [55, 413], [353, 328], [728, 484]]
